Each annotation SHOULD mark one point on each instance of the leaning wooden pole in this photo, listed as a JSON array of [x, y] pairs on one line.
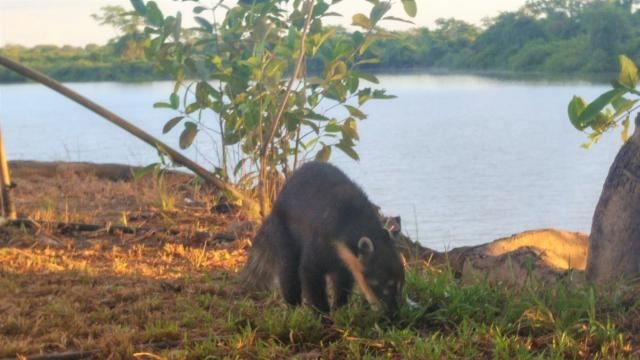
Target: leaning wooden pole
[[8, 208], [127, 126]]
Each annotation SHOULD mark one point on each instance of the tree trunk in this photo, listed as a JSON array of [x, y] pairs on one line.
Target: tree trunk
[[614, 243]]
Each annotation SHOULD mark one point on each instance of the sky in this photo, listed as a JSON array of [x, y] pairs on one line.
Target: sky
[[69, 22]]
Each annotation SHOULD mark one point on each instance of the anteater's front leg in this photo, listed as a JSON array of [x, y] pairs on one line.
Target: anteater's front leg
[[314, 286], [342, 282]]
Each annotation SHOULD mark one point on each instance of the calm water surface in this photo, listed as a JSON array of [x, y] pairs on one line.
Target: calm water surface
[[463, 159]]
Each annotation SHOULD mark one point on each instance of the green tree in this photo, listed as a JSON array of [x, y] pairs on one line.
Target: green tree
[[508, 34], [130, 40], [457, 34], [626, 5], [251, 86], [608, 28], [559, 18], [548, 9]]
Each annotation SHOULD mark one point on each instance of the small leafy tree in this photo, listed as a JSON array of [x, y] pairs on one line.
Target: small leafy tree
[[247, 79], [614, 241]]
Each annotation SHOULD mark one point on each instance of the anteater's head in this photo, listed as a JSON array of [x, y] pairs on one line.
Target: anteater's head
[[377, 270]]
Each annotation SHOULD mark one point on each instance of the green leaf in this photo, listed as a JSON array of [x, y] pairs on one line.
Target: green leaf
[[355, 112], [366, 44], [410, 7], [332, 13], [293, 120], [363, 96], [171, 123], [337, 71], [140, 173], [361, 20], [394, 18], [202, 93], [352, 83], [177, 28], [204, 24], [628, 75], [139, 6], [594, 108], [309, 144], [162, 105], [368, 61], [576, 107], [378, 11], [320, 9], [622, 105], [324, 154], [312, 125], [348, 149], [174, 100], [319, 39], [333, 127], [382, 94], [199, 9], [188, 134], [312, 115], [602, 122], [625, 129], [357, 37], [350, 129], [231, 138], [366, 76], [337, 91], [192, 108], [154, 15]]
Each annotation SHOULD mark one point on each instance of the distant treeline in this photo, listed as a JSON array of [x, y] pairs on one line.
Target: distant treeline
[[68, 63], [545, 36]]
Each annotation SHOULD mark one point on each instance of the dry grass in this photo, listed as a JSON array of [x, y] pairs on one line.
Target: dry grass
[[69, 290]]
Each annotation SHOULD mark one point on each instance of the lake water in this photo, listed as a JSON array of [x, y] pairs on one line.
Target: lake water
[[463, 159]]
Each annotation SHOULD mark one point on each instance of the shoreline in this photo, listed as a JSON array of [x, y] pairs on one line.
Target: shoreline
[[556, 251]]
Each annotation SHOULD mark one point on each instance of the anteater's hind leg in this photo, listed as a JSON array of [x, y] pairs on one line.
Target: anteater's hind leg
[[288, 259], [290, 280]]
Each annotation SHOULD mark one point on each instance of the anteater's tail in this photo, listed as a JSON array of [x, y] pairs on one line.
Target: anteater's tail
[[260, 271]]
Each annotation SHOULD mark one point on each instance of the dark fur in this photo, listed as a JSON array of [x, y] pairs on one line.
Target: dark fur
[[318, 206]]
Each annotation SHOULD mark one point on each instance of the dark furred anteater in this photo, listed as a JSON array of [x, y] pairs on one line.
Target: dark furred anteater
[[322, 224]]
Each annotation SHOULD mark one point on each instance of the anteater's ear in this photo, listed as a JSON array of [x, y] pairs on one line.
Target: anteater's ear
[[398, 225], [355, 268], [365, 246]]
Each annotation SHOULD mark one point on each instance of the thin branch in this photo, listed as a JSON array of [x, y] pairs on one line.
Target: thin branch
[[294, 76]]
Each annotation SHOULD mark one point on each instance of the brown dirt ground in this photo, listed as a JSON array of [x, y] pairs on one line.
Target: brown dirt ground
[[69, 290]]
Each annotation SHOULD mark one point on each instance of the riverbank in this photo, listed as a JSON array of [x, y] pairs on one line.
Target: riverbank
[[158, 278]]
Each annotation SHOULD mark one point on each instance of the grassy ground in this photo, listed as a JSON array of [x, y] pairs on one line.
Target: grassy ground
[[172, 292]]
